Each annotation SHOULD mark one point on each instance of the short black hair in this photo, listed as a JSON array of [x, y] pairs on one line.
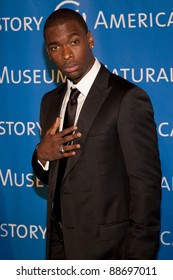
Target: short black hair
[[62, 15]]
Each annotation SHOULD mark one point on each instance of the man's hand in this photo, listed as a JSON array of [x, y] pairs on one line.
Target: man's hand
[[50, 147]]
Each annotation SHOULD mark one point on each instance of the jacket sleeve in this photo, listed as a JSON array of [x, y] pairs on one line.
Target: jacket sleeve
[[139, 143], [41, 174]]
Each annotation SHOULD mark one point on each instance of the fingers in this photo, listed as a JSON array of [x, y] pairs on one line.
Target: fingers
[[67, 135], [69, 150], [56, 145], [68, 140], [54, 127], [67, 131]]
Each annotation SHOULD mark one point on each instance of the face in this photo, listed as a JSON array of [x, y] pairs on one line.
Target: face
[[70, 48]]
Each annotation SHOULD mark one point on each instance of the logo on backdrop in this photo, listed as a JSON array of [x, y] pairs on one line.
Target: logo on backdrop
[[147, 75], [20, 24], [165, 129], [20, 128], [101, 20], [166, 238], [28, 76], [74, 3], [22, 231], [9, 178], [129, 20], [13, 179], [167, 184], [38, 76], [134, 20]]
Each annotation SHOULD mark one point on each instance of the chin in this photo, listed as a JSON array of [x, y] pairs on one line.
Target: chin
[[74, 78]]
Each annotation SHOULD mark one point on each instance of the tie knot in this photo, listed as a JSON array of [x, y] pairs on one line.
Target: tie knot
[[74, 94]]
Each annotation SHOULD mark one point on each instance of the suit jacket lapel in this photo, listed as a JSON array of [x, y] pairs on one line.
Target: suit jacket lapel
[[96, 96], [56, 106]]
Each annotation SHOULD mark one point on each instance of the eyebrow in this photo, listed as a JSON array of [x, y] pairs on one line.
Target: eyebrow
[[73, 34], [69, 37]]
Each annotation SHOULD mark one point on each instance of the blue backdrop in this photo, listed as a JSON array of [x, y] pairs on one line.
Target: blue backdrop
[[134, 40]]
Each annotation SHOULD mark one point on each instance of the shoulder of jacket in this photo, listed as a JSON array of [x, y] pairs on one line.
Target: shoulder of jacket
[[54, 92], [121, 83]]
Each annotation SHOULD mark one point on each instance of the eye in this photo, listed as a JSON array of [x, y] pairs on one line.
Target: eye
[[54, 48], [75, 42]]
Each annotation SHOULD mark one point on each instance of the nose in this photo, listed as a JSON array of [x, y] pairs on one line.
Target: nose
[[66, 53]]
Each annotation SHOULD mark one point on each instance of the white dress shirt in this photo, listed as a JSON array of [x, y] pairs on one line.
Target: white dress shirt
[[83, 86]]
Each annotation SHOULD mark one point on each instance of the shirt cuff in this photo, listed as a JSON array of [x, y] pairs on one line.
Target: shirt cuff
[[46, 166]]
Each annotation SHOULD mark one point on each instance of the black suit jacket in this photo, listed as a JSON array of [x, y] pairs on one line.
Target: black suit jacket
[[110, 194]]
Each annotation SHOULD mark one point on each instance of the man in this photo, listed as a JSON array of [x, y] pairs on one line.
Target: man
[[107, 201]]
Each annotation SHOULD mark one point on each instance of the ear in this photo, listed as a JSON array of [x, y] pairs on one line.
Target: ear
[[90, 40]]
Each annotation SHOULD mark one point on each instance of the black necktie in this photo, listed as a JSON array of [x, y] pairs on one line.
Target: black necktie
[[70, 112], [69, 119]]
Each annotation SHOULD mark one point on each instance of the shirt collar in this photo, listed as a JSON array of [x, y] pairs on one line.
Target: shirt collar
[[86, 82]]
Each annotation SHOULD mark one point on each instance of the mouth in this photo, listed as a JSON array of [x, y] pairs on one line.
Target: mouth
[[70, 68]]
